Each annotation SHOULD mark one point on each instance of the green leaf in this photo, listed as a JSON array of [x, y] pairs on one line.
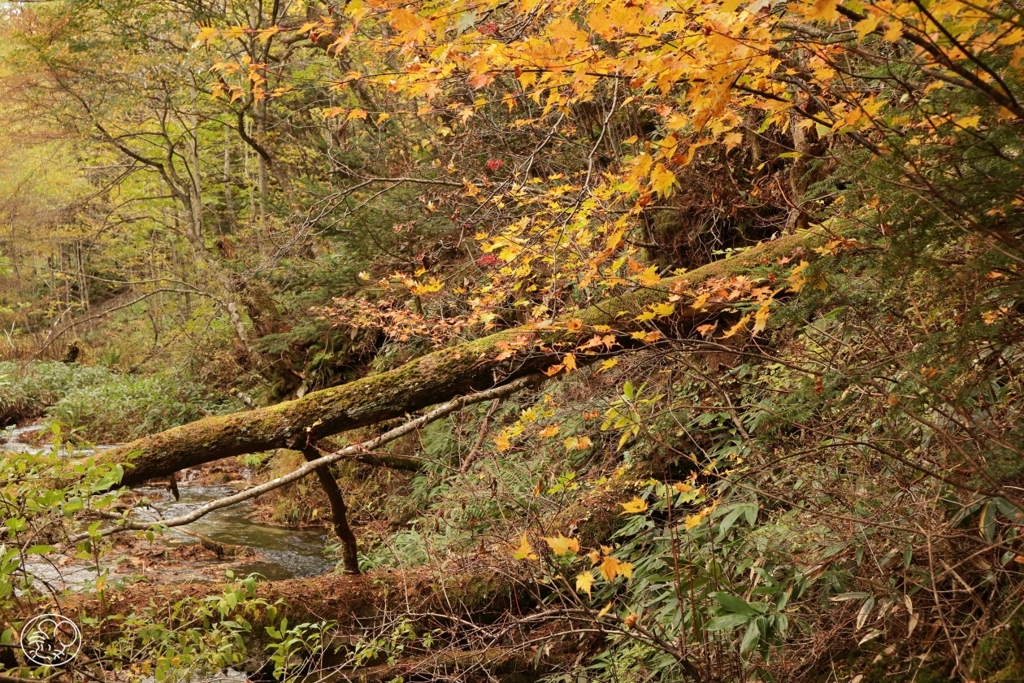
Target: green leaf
[[987, 521], [40, 549], [750, 638], [727, 622], [734, 604]]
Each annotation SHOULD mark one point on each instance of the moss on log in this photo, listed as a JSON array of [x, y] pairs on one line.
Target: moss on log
[[430, 379]]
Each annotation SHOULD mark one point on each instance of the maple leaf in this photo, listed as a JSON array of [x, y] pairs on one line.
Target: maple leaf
[[408, 24], [649, 277], [525, 550], [570, 362], [574, 443], [866, 26], [584, 582], [608, 364], [708, 330], [549, 431], [740, 324], [662, 180], [206, 34], [663, 310], [822, 10], [610, 568], [635, 506], [502, 443], [480, 80], [761, 318], [796, 279], [561, 545]]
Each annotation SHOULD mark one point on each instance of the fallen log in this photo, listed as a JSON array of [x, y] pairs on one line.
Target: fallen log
[[435, 377], [316, 464]]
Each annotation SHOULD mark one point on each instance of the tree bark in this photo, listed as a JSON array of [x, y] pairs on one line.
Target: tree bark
[[339, 512], [433, 378]]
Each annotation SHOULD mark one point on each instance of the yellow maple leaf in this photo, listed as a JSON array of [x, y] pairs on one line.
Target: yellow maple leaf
[[525, 550], [663, 310], [968, 121], [574, 324], [561, 545], [761, 317], [737, 327], [796, 279], [693, 521], [608, 364], [626, 569], [584, 582], [866, 26], [699, 302], [610, 568], [206, 34], [569, 361], [649, 277], [405, 21], [549, 431], [823, 10], [662, 180], [605, 610], [502, 443], [635, 506]]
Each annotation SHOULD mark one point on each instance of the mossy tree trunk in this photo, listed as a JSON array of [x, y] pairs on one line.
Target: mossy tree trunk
[[432, 378]]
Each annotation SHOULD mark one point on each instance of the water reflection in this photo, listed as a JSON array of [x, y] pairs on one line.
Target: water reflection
[[283, 553]]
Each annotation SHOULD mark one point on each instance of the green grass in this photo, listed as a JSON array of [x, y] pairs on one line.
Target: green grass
[[103, 406]]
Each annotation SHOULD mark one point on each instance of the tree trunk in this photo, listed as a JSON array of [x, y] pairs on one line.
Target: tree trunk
[[430, 379], [339, 512]]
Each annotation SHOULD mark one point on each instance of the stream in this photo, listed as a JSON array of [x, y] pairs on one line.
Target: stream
[[281, 552]]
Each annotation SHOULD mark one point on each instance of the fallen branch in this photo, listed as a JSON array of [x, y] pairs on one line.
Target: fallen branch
[[348, 452], [464, 368]]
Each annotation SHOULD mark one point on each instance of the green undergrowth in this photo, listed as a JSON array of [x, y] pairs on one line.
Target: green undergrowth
[[830, 499], [101, 406]]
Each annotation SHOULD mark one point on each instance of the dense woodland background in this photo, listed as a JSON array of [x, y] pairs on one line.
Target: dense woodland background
[[721, 303]]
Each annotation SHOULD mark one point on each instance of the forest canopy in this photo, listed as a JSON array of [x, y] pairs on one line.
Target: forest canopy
[[627, 340]]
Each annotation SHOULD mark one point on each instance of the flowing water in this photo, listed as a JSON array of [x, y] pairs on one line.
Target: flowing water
[[281, 552]]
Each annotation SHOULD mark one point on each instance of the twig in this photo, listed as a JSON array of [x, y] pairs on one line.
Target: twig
[[347, 452]]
